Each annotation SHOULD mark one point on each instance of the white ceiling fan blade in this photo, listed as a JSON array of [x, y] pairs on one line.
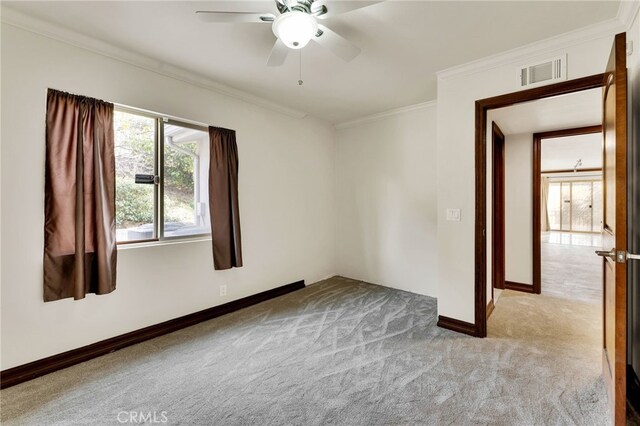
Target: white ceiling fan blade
[[337, 7], [339, 45], [234, 17], [278, 54]]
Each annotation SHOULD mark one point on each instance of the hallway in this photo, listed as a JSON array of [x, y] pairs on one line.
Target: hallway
[[560, 329], [570, 268], [557, 339]]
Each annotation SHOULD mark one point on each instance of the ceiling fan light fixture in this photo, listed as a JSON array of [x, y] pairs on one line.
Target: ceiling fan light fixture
[[295, 28]]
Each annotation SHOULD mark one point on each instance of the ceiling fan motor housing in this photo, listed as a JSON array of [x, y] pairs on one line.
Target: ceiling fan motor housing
[[307, 6]]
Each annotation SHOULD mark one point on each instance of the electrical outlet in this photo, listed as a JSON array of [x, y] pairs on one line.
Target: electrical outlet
[[223, 290]]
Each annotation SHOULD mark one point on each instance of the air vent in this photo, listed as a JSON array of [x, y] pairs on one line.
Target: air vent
[[544, 72]]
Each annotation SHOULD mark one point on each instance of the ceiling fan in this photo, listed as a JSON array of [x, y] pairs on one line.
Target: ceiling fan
[[295, 23]]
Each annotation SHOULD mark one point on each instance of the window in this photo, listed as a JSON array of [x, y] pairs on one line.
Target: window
[[161, 178], [575, 206]]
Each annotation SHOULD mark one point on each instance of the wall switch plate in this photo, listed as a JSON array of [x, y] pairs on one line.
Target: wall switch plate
[[223, 290], [453, 215]]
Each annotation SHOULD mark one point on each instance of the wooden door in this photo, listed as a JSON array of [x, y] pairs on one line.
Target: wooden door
[[614, 235]]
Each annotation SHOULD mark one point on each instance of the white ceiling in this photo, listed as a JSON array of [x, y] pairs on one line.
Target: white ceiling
[[563, 153], [403, 44], [578, 109]]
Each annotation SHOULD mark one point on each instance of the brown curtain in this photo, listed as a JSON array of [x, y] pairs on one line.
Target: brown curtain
[[79, 228], [223, 198]]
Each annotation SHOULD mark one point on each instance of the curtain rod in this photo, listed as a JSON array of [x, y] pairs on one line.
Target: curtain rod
[[143, 111]]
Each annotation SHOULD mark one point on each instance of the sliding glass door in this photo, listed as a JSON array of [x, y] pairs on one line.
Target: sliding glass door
[[575, 206]]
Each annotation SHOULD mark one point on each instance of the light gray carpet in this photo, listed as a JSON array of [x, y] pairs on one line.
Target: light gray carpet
[[570, 267], [338, 352]]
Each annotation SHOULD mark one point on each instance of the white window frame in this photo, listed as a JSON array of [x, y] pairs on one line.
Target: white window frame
[[159, 171]]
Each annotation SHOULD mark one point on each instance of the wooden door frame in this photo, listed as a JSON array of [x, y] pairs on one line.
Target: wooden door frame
[[482, 106], [537, 181], [497, 211], [586, 169]]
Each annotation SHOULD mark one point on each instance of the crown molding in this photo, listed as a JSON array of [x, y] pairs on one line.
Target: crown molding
[[602, 29], [384, 114], [47, 29], [627, 12]]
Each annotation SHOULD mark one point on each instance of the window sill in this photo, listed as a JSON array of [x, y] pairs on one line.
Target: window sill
[[166, 242]]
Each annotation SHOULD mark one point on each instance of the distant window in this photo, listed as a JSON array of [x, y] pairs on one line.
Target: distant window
[[161, 178]]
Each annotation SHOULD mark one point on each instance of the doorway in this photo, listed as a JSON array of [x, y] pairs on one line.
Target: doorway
[[517, 136], [568, 212], [482, 109], [615, 176], [543, 312]]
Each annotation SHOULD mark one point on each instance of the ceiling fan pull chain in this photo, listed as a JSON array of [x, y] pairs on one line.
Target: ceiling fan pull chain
[[300, 82]]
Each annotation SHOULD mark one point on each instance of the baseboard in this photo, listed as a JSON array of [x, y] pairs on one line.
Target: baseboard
[[25, 372], [457, 325], [490, 307], [511, 285]]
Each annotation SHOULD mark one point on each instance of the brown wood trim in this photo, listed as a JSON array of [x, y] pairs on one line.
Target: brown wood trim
[[577, 131], [481, 107], [527, 288], [537, 182], [457, 325], [557, 89], [498, 232], [536, 217], [480, 222], [25, 372], [589, 169], [490, 307]]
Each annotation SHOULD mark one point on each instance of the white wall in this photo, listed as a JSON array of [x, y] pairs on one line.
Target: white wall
[[518, 208], [286, 202], [457, 93], [386, 201], [563, 153]]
